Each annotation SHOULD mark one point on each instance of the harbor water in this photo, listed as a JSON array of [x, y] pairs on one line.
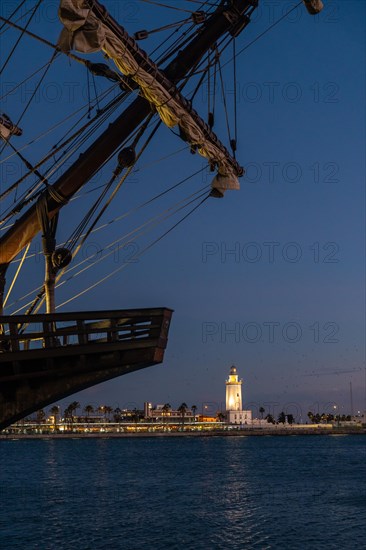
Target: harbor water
[[295, 492]]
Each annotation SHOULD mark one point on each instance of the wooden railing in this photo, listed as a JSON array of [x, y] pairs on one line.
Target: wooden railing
[[47, 331]]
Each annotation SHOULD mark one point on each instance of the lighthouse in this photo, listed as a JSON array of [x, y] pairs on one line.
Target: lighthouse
[[234, 406], [233, 391]]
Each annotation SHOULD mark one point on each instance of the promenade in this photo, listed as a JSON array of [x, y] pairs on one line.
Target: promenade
[[235, 432]]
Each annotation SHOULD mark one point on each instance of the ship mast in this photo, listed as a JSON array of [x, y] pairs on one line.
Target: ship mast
[[231, 16]]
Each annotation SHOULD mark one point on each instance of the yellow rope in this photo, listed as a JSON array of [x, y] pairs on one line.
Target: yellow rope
[[17, 273]]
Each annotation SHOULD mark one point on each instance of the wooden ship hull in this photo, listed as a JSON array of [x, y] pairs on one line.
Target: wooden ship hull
[[64, 353]]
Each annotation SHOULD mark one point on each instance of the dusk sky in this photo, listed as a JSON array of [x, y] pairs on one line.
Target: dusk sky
[[270, 278]]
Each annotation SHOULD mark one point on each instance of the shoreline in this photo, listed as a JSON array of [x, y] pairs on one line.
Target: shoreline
[[278, 432]]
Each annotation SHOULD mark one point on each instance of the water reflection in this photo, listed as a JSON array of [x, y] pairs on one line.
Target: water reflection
[[183, 493]]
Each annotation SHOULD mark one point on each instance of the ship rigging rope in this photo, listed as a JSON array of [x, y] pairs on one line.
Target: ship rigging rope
[[143, 251], [102, 95], [235, 56], [44, 41], [247, 46], [89, 191], [11, 23], [179, 42], [20, 37], [174, 47], [170, 26], [264, 32], [12, 90], [99, 119], [76, 235], [194, 71], [122, 216], [159, 4], [79, 230], [200, 82], [140, 231], [143, 167], [150, 201], [13, 13], [137, 232], [32, 169], [17, 273], [224, 99], [54, 55], [235, 83], [80, 138], [29, 194]]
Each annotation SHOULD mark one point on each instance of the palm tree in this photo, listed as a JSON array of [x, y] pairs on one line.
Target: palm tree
[[194, 409], [75, 405], [108, 410], [270, 419], [262, 411], [100, 409], [69, 411], [220, 416], [55, 410], [166, 408], [282, 417], [41, 415], [88, 409], [67, 415], [117, 414], [183, 409]]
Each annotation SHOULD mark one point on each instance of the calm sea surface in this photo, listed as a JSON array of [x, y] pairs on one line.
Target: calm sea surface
[[184, 493]]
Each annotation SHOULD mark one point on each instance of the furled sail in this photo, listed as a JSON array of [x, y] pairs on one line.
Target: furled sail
[[314, 6], [89, 28], [8, 128]]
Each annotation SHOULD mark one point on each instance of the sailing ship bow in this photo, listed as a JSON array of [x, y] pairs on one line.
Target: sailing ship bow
[[69, 356]]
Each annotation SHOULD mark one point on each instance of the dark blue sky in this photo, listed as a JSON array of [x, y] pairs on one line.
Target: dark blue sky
[[272, 277]]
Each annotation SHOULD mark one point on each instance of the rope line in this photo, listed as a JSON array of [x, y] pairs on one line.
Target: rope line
[[143, 251], [13, 13], [20, 37], [136, 233], [16, 274]]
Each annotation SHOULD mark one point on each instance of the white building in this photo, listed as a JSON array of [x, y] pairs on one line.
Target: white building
[[234, 407]]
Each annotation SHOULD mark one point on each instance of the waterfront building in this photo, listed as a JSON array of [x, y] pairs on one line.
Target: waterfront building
[[234, 407], [164, 413]]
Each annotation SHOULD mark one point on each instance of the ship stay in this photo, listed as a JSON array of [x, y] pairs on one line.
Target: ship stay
[[47, 355]]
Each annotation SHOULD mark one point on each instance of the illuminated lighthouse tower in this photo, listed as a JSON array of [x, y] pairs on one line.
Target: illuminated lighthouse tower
[[233, 391], [234, 407]]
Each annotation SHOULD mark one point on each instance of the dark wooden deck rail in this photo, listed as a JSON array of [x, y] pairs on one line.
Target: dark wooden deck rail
[[44, 358], [23, 333]]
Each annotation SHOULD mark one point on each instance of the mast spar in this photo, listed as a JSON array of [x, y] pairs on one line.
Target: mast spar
[[231, 16]]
